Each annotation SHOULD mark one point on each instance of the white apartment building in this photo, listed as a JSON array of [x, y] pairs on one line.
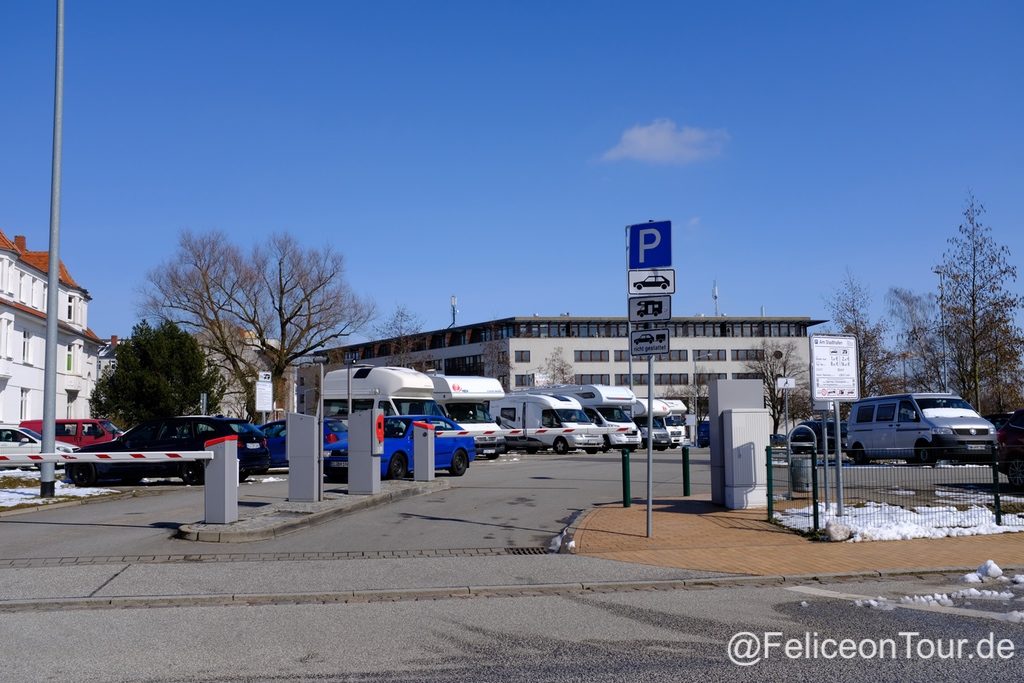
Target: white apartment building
[[23, 276], [516, 351]]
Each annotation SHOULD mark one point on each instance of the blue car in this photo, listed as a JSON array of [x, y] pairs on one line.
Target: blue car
[[335, 439], [450, 453]]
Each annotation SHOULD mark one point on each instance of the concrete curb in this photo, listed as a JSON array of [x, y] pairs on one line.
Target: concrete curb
[[283, 518], [456, 592]]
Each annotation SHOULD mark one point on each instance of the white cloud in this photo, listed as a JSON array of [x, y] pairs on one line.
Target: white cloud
[[662, 142]]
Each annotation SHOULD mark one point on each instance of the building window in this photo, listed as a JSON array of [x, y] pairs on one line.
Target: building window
[[748, 354], [622, 379], [522, 356], [464, 365], [70, 364], [672, 378], [705, 377], [26, 348], [622, 356], [592, 379], [24, 404], [705, 355], [590, 357], [680, 355], [747, 375], [524, 380]]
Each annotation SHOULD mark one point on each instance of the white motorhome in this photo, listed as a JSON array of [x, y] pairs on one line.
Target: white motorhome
[[467, 401], [537, 413], [396, 391], [607, 406], [662, 439], [675, 421]]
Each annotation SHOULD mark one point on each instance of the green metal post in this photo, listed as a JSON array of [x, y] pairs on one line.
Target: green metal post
[[627, 498], [814, 489], [686, 470], [771, 497], [995, 489]]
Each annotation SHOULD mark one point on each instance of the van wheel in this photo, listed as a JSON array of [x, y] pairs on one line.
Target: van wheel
[[531, 450], [858, 456], [1015, 473], [398, 466], [82, 475], [460, 463], [193, 473], [923, 453], [561, 446]]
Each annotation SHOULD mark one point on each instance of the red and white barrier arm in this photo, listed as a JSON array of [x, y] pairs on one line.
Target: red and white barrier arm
[[530, 432], [125, 456]]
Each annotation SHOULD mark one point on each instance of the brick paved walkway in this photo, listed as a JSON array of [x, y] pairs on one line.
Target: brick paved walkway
[[694, 534]]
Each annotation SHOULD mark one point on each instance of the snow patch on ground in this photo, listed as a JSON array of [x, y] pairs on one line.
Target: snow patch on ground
[[29, 493], [880, 603], [933, 599], [988, 570], [885, 522]]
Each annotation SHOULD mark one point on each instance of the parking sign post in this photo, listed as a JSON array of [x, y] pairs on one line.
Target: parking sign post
[[650, 283]]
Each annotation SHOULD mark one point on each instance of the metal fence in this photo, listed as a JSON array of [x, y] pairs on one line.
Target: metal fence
[[893, 498]]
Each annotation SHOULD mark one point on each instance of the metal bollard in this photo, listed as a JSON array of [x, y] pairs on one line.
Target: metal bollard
[[771, 496], [814, 490], [995, 488], [627, 498], [686, 471]]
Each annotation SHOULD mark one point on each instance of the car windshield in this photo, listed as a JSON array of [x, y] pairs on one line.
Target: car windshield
[[614, 414], [34, 434], [241, 427], [953, 402], [111, 427], [572, 415], [412, 406], [469, 413]]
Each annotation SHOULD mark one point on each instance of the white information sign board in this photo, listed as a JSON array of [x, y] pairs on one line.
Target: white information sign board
[[264, 393], [834, 368]]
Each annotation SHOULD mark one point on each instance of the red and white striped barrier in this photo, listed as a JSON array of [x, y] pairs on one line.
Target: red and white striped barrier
[[442, 433], [35, 458]]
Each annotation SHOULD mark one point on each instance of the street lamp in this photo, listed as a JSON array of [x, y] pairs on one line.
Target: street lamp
[[942, 321]]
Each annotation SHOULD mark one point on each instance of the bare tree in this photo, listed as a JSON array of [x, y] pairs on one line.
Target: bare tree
[[918, 338], [556, 369], [257, 311], [979, 312], [850, 307], [401, 331], [497, 363], [781, 359]]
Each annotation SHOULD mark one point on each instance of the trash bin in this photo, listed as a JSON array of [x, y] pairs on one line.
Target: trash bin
[[800, 473]]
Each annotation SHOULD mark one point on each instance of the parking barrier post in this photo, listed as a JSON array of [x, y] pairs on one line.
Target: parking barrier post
[[686, 471], [995, 488], [221, 475], [423, 451], [627, 498]]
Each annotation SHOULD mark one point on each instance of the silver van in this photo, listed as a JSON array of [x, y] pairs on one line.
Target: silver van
[[919, 428]]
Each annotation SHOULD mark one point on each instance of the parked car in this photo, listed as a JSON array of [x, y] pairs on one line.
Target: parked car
[[185, 433], [998, 419], [800, 441], [78, 432], [1010, 438], [20, 441], [450, 453], [335, 438]]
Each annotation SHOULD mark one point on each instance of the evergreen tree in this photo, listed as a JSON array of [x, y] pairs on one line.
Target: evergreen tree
[[158, 372]]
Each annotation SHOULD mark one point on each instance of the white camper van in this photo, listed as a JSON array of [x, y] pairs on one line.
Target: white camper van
[[536, 413], [662, 439], [396, 391], [467, 401], [675, 422], [607, 406]]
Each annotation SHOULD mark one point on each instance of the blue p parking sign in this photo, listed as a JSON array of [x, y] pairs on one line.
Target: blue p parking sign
[[650, 245]]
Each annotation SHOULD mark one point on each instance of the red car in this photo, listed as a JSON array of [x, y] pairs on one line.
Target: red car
[[1010, 438]]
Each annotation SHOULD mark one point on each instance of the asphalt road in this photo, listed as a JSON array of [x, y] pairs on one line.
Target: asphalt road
[[514, 501]]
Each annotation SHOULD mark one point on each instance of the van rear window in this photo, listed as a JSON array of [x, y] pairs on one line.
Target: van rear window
[[886, 412]]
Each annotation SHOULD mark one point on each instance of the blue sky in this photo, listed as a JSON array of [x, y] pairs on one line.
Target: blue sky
[[496, 150]]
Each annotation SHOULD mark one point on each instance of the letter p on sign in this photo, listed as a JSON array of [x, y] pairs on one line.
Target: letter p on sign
[[650, 245]]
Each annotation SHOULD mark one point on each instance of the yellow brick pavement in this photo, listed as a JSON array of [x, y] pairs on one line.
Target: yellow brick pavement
[[694, 534]]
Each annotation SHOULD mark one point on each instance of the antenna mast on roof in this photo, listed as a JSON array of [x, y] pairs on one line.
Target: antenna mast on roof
[[714, 295], [454, 310]]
